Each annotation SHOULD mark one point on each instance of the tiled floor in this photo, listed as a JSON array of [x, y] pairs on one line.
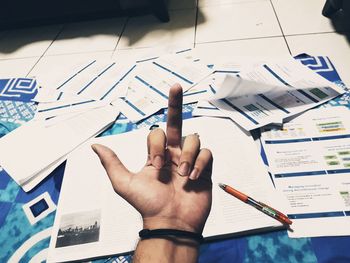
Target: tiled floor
[[220, 30]]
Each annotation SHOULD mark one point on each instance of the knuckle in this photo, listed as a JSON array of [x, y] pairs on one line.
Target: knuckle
[[106, 162], [200, 164], [187, 155], [205, 158]]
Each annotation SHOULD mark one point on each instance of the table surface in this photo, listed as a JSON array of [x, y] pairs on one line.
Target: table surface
[[21, 242]]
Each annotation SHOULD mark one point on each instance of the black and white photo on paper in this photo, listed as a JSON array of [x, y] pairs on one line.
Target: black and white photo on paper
[[79, 228]]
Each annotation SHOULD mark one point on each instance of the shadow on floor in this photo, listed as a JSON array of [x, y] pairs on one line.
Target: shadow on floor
[[13, 39]]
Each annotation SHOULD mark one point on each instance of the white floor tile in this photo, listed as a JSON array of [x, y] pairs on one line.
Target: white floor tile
[[147, 31], [138, 54], [333, 45], [88, 36], [132, 55], [49, 68], [16, 67], [302, 16], [221, 52], [236, 21], [28, 42]]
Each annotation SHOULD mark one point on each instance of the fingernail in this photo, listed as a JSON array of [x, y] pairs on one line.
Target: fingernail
[[158, 161], [154, 126], [194, 174], [184, 168]]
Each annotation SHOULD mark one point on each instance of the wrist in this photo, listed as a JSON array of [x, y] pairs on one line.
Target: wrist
[[166, 250], [169, 223], [167, 233]]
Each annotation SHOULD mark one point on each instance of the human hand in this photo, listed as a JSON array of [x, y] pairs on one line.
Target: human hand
[[174, 188]]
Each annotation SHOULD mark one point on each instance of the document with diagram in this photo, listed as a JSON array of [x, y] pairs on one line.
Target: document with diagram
[[310, 162], [272, 92]]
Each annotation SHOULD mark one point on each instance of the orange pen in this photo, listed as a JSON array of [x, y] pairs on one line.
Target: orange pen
[[268, 210]]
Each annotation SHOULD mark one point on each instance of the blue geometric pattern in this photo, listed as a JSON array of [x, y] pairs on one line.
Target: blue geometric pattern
[[15, 228], [16, 111], [19, 89], [272, 247], [323, 66], [4, 208], [4, 180]]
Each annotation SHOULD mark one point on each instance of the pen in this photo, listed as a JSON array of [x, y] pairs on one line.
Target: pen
[[258, 205]]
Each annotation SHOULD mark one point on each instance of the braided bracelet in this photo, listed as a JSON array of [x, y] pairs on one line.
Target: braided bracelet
[[166, 232]]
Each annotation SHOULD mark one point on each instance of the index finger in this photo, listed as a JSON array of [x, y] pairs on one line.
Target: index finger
[[174, 119]]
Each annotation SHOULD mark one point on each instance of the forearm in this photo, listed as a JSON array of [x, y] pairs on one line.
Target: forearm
[[166, 250]]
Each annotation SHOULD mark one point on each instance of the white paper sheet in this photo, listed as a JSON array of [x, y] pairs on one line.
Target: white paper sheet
[[47, 110], [139, 89], [271, 92], [55, 84], [310, 161], [149, 86], [50, 78], [205, 108], [39, 148], [110, 85], [86, 190]]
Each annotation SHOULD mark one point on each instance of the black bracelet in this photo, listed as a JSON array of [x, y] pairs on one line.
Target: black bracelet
[[166, 232]]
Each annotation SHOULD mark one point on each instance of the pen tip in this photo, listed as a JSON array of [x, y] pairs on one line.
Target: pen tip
[[222, 186]]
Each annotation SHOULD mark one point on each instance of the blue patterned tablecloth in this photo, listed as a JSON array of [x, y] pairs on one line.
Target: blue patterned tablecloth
[[28, 242]]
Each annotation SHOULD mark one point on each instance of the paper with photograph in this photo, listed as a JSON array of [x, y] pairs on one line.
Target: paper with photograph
[[86, 187]]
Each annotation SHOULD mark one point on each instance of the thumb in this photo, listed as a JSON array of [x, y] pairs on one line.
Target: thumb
[[118, 174]]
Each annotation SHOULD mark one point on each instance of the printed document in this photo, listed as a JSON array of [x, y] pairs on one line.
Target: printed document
[[148, 89], [40, 146], [92, 220], [48, 110], [310, 162], [271, 92], [97, 80], [139, 90]]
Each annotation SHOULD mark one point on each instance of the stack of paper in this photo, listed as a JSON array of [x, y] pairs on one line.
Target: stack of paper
[[138, 90], [83, 101], [310, 163], [269, 93], [90, 200], [34, 150]]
